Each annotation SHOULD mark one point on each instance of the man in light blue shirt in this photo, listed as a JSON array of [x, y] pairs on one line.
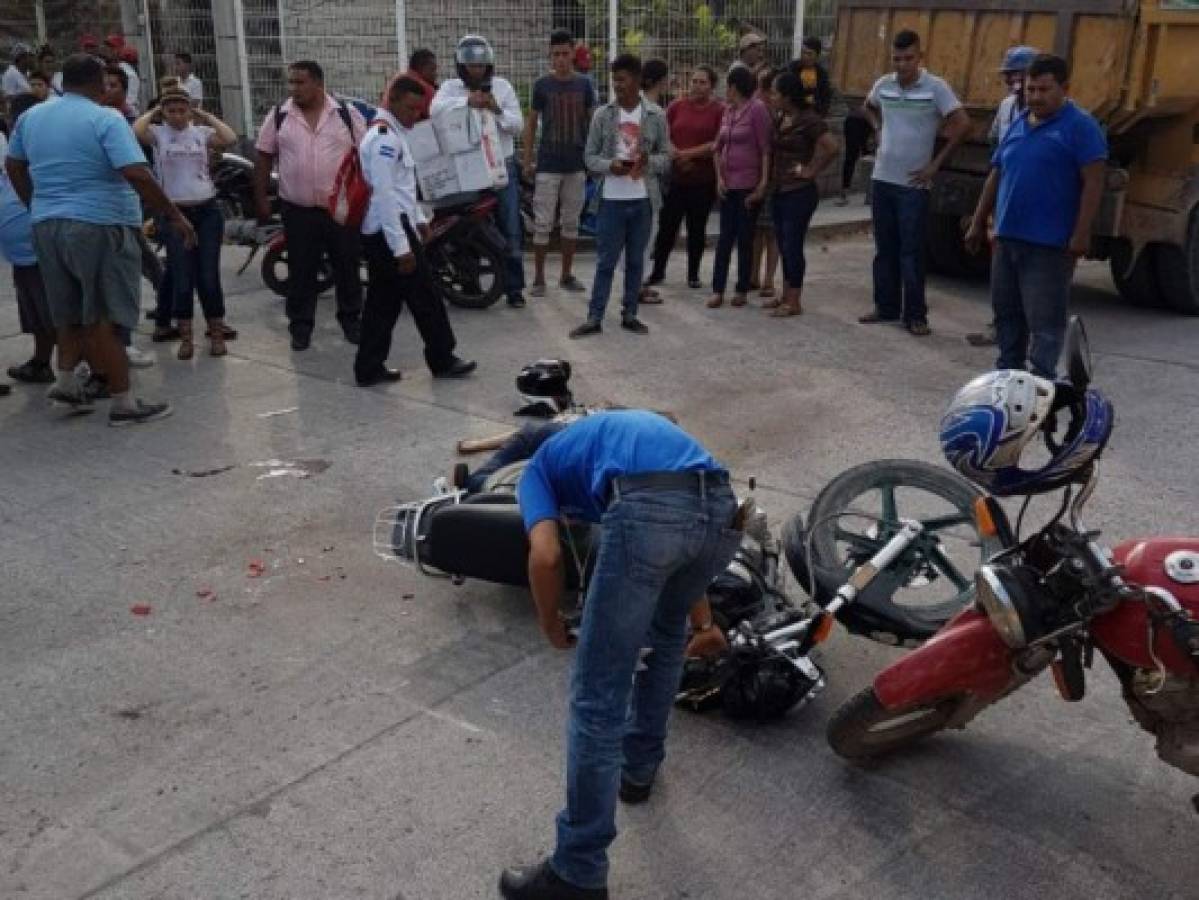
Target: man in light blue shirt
[[666, 512], [78, 167]]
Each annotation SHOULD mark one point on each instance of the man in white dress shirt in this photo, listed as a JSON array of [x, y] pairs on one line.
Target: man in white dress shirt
[[478, 87], [392, 233]]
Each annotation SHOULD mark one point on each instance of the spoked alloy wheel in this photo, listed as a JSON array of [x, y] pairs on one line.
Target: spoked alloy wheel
[[859, 511], [862, 729]]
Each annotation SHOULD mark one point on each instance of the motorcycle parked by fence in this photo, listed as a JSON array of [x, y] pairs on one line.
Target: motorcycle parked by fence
[[1050, 601]]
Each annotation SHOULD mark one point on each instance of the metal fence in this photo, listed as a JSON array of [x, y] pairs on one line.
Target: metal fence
[[240, 48]]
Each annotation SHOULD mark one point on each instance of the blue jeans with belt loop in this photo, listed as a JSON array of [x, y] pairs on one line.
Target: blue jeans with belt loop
[[513, 228], [1030, 293], [658, 550]]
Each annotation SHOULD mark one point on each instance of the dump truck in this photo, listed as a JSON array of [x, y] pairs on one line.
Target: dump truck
[[1134, 65]]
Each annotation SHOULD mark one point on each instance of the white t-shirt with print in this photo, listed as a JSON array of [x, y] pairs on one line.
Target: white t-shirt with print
[[628, 145], [181, 159]]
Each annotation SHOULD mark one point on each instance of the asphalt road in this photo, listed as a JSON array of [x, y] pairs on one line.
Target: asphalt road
[[340, 727]]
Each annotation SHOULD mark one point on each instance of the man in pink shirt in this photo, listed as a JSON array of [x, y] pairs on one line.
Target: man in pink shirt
[[309, 136]]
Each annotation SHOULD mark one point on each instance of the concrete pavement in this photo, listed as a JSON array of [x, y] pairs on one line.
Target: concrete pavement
[[340, 727]]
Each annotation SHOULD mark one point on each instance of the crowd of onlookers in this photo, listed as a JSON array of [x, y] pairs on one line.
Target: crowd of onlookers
[[751, 143]]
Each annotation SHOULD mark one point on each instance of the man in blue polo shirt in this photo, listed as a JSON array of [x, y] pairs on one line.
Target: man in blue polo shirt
[[666, 511], [1045, 185]]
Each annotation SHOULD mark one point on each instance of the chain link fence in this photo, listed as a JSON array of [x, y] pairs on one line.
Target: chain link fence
[[240, 48]]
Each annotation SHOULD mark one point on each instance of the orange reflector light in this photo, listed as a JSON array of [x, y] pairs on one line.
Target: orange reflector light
[[823, 630], [983, 518]]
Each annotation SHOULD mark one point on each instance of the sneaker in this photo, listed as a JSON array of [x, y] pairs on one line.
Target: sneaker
[[633, 792], [537, 290], [587, 329], [633, 324], [32, 372], [76, 400], [573, 285], [139, 359], [986, 338], [143, 412], [541, 882]]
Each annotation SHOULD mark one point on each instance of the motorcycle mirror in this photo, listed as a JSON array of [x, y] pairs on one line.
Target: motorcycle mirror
[[1078, 354]]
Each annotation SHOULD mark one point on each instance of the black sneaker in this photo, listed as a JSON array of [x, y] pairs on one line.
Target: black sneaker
[[633, 324], [32, 372], [75, 399], [517, 301], [541, 882], [631, 792], [587, 329], [140, 414]]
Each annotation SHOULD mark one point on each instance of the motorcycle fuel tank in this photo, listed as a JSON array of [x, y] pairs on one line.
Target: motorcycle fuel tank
[[1169, 563]]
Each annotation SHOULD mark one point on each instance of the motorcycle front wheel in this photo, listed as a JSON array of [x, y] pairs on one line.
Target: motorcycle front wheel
[[469, 274], [863, 729]]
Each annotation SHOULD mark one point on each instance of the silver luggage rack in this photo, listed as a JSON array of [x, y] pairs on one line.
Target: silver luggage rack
[[400, 530]]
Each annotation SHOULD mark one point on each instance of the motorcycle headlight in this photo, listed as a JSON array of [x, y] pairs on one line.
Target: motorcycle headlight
[[1004, 597]]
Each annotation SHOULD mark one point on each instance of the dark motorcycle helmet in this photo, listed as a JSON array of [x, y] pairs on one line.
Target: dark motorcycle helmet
[[545, 379], [474, 50]]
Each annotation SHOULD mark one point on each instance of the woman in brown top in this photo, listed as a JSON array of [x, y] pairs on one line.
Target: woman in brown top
[[802, 148]]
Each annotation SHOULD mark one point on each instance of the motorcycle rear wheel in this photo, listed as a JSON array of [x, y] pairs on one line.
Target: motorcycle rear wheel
[[275, 272], [470, 274], [862, 729]]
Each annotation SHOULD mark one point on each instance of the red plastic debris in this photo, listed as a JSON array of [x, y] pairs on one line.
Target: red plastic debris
[[140, 609], [255, 568]]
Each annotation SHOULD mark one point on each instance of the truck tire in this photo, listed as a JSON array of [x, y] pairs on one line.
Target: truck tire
[[1178, 271], [1138, 285], [947, 249]]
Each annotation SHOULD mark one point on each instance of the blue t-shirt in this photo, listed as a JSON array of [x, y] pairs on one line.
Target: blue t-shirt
[[74, 148], [1040, 175], [16, 231], [572, 472]]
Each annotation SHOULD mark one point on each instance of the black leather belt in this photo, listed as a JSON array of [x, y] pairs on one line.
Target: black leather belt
[[695, 482]]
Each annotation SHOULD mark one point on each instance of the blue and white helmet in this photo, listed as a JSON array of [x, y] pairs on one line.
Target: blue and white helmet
[[991, 421]]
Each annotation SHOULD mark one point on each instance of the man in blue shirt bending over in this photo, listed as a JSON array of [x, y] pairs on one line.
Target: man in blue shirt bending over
[[1045, 185], [666, 512]]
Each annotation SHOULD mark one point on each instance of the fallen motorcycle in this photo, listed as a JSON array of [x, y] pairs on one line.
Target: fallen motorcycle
[[465, 255], [1051, 600]]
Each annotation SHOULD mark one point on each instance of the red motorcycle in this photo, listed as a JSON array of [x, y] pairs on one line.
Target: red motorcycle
[[1051, 601]]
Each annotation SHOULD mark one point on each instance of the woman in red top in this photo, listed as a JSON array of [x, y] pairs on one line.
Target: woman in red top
[[694, 123]]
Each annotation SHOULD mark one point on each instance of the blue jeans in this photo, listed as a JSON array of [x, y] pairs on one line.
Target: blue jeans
[[736, 229], [622, 226], [198, 269], [658, 550], [792, 214], [510, 224], [1030, 291], [900, 217]]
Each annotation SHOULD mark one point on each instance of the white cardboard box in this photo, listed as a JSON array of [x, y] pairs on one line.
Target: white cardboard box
[[422, 141], [437, 177], [458, 129]]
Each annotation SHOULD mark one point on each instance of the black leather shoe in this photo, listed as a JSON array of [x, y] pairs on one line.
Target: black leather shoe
[[542, 883], [300, 341], [586, 330], [457, 369], [633, 793], [353, 332], [635, 325], [383, 375]]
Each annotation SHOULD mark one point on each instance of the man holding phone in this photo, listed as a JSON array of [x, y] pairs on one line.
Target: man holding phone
[[478, 87]]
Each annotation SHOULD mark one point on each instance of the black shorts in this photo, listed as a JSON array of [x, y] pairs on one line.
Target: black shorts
[[32, 307]]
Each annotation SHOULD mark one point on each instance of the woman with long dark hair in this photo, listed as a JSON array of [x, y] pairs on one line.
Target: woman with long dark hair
[[801, 149]]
